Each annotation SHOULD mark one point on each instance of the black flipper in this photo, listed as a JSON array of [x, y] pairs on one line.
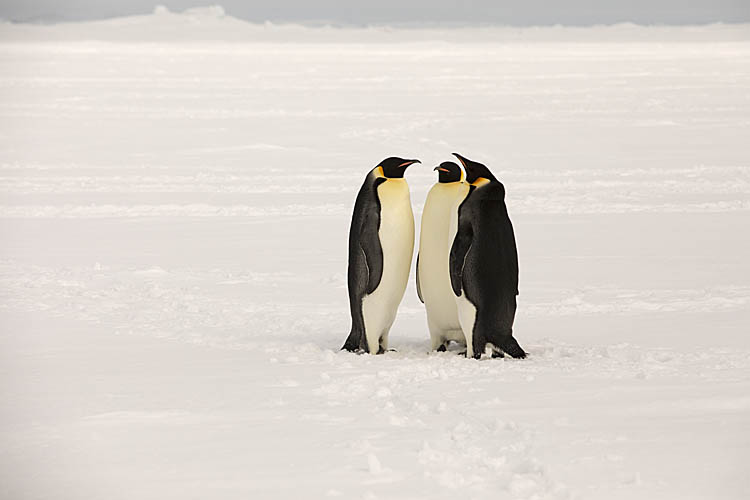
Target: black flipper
[[459, 249], [419, 288], [373, 251]]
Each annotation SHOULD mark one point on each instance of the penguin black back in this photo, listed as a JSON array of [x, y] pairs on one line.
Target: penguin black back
[[484, 261]]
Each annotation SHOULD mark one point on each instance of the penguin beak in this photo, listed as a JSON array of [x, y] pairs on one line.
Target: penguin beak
[[408, 162], [441, 169], [461, 159]]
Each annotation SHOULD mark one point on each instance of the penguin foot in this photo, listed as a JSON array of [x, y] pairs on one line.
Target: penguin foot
[[477, 355], [496, 353], [442, 348]]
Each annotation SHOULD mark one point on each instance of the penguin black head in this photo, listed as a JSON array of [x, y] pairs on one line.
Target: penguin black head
[[448, 172], [394, 168], [475, 170]]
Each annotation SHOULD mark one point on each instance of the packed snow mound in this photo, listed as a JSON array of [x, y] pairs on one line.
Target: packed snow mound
[[212, 23]]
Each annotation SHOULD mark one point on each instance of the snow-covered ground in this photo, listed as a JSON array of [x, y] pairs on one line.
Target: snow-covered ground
[[174, 218]]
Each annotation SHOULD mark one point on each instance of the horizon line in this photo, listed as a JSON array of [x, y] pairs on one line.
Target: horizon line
[[219, 12]]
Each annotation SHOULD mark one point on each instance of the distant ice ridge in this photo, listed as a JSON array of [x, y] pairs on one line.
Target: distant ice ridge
[[212, 23], [210, 11]]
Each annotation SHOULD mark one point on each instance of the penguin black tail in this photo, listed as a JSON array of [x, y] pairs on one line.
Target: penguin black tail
[[352, 341], [510, 345]]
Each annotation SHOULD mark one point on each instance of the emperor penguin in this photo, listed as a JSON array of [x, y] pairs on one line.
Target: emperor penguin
[[381, 246], [439, 222], [484, 266]]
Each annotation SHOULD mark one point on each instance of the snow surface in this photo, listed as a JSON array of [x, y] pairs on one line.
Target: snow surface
[[174, 218]]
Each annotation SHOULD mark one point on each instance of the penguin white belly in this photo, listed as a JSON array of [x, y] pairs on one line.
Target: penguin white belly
[[437, 234], [396, 234], [467, 315]]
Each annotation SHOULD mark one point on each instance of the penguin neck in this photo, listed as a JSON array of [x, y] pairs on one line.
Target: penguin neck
[[480, 182]]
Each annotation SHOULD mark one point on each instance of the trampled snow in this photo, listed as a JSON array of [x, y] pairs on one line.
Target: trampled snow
[[175, 193]]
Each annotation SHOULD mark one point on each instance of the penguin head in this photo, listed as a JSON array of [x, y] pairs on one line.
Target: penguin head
[[394, 168], [475, 170], [449, 172]]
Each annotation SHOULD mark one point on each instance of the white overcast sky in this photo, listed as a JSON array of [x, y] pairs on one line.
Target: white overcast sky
[[512, 12]]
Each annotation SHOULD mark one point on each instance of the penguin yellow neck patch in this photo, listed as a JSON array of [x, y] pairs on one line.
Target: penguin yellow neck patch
[[379, 171], [480, 182]]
